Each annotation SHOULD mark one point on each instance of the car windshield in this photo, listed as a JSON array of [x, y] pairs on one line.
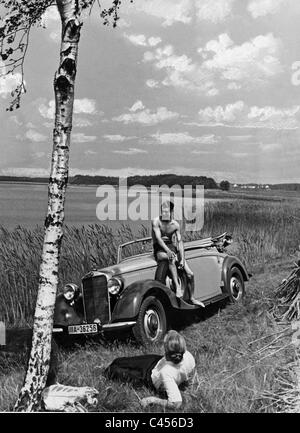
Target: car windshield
[[134, 248]]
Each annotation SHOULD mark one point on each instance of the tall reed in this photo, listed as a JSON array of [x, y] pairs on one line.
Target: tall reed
[[261, 232]]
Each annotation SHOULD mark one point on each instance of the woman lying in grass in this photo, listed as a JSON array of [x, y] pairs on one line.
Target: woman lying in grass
[[161, 373]]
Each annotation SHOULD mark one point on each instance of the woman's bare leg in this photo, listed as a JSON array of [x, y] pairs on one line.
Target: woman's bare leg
[[174, 275], [172, 267], [191, 285]]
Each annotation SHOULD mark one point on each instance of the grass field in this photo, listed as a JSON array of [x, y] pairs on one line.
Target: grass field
[[243, 356], [244, 359]]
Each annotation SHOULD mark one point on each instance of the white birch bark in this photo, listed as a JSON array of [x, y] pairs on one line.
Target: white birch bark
[[38, 364]]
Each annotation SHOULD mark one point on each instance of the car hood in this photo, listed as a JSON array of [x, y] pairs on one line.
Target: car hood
[[131, 264]]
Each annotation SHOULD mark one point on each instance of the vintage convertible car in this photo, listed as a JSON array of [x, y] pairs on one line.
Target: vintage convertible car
[[129, 295]]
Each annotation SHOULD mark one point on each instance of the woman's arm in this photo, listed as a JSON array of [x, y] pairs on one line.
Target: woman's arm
[[174, 400], [147, 401]]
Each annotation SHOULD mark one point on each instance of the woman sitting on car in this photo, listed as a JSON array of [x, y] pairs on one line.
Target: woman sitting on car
[[161, 373]]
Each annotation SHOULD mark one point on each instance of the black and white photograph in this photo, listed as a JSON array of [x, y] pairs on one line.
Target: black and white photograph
[[149, 209]]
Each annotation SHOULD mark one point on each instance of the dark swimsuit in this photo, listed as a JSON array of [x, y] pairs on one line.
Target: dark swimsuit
[[157, 248]]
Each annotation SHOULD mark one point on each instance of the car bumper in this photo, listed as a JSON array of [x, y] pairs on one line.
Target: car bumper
[[109, 327]]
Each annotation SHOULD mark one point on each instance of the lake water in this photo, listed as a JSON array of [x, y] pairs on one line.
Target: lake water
[[26, 205]]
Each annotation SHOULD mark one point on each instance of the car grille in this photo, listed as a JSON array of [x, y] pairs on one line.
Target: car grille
[[96, 299]]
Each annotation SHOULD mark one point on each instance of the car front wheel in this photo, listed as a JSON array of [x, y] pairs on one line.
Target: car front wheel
[[236, 285], [151, 324]]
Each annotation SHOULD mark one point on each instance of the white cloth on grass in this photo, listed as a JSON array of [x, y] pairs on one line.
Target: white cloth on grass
[[59, 397]]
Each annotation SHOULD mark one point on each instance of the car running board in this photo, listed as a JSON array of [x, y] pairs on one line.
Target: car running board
[[184, 305]]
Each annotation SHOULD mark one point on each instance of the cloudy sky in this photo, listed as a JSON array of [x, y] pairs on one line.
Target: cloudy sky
[[200, 87]]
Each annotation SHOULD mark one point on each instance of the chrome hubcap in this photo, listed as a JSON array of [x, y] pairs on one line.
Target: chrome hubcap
[[152, 324], [235, 287]]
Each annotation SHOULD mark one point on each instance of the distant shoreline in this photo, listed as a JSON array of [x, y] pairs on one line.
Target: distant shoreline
[[25, 182], [258, 194], [21, 182], [74, 181]]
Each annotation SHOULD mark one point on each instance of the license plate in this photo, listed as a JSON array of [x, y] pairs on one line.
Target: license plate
[[91, 328]]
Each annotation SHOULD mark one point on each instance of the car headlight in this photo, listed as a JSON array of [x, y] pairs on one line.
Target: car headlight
[[114, 285]]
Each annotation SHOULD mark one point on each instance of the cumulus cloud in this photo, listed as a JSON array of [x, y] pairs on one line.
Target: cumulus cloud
[[50, 15], [79, 137], [279, 117], [50, 20], [180, 70], [123, 23], [260, 8], [176, 138], [117, 137], [80, 122], [85, 105], [47, 111], [170, 11], [16, 120], [130, 151], [138, 105], [240, 115], [35, 136], [222, 64], [183, 11], [81, 106], [152, 83], [220, 115], [141, 40], [233, 86], [153, 41], [139, 114], [254, 61], [8, 82], [214, 10], [137, 39]]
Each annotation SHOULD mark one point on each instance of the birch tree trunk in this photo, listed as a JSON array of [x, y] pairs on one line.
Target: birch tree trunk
[[39, 360]]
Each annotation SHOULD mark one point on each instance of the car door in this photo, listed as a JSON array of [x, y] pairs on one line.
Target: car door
[[207, 269]]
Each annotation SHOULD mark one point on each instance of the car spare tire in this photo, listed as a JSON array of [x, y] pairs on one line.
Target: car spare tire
[[151, 324]]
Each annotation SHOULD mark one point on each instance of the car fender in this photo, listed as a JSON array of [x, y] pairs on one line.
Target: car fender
[[228, 263], [129, 303]]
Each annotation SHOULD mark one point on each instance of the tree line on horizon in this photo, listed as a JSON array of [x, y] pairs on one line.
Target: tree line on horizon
[[148, 181]]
